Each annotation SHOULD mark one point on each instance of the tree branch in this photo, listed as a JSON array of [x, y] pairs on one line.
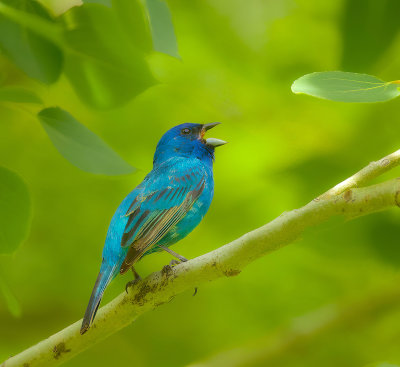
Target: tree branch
[[373, 170], [228, 260]]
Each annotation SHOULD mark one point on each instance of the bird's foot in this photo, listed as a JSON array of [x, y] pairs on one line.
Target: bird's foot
[[174, 262], [131, 283], [166, 271]]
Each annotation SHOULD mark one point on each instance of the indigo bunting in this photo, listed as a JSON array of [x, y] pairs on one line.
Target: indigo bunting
[[164, 208]]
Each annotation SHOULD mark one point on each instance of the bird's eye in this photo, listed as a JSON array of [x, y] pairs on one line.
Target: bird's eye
[[185, 131]]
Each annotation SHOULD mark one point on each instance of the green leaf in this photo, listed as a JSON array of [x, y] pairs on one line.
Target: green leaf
[[18, 95], [37, 56], [15, 211], [11, 301], [133, 19], [162, 29], [346, 87], [102, 2], [80, 146], [104, 67]]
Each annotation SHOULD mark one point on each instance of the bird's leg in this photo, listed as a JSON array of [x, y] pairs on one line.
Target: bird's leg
[[134, 281], [135, 274], [173, 253], [176, 262]]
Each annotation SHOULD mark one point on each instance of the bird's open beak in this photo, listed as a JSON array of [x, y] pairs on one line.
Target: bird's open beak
[[210, 125], [211, 141]]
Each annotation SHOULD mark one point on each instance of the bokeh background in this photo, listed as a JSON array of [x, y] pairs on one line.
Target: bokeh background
[[237, 62]]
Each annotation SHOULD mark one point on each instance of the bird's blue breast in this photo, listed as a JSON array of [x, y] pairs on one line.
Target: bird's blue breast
[[162, 176]]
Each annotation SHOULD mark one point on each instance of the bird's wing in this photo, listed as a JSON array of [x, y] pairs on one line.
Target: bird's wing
[[155, 212]]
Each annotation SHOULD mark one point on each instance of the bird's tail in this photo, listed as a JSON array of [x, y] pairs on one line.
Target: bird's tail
[[105, 276]]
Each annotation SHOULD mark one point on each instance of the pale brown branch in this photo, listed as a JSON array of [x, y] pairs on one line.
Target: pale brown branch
[[373, 170], [226, 261]]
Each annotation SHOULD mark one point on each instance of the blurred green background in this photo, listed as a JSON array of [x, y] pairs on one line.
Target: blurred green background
[[237, 62]]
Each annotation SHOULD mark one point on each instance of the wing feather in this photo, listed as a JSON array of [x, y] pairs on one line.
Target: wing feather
[[156, 214]]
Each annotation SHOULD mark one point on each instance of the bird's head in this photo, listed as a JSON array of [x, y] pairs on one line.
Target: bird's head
[[187, 140]]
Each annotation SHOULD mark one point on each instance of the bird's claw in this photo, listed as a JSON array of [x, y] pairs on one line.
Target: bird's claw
[[166, 270], [174, 262], [131, 284]]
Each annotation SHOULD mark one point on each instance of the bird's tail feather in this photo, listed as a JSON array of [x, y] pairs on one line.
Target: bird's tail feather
[[105, 275]]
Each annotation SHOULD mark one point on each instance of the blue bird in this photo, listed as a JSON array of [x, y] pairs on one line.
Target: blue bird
[[164, 208]]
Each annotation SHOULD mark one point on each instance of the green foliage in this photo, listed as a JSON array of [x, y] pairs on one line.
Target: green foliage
[[15, 211], [132, 18], [106, 69], [18, 95], [80, 146], [36, 56], [162, 28], [12, 303], [102, 2], [104, 72], [368, 29], [346, 87]]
